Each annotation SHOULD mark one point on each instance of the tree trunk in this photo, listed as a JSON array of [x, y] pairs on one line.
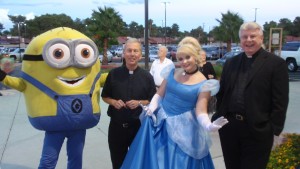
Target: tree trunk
[[104, 59]]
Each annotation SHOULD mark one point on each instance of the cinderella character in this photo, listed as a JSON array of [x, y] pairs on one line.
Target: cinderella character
[[174, 132]]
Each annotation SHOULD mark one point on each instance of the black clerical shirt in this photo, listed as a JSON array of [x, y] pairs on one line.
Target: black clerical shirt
[[237, 101], [128, 85]]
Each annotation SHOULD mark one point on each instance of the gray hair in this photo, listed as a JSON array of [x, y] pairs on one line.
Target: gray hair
[[163, 47], [132, 40], [250, 26]]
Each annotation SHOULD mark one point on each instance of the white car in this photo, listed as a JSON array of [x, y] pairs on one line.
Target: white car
[[153, 55], [109, 56], [17, 54]]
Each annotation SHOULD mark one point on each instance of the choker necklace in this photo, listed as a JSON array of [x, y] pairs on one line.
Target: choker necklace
[[190, 73]]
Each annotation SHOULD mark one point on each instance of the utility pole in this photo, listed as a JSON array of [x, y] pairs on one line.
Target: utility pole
[[165, 3]]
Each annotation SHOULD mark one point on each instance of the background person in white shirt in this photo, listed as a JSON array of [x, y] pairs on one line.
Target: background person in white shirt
[[159, 64]]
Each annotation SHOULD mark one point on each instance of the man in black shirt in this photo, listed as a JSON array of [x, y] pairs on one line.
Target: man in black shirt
[[126, 87]]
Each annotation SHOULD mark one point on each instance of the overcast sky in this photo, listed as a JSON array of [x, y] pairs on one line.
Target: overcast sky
[[188, 14]]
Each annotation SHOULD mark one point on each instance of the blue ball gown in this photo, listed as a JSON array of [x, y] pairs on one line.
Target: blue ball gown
[[174, 140]]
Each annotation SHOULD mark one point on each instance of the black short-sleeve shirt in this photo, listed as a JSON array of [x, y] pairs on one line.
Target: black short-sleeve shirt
[[125, 85]]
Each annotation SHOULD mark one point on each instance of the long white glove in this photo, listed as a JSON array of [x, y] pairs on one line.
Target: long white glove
[[153, 104], [204, 121]]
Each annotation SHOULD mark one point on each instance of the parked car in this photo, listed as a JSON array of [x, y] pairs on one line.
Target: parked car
[[109, 56], [290, 52], [17, 54], [208, 51], [172, 53], [6, 51], [218, 52], [153, 55], [118, 52], [236, 48], [226, 56]]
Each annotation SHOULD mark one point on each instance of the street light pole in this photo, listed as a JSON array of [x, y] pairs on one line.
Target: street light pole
[[146, 38], [255, 14], [25, 31], [165, 3], [19, 34]]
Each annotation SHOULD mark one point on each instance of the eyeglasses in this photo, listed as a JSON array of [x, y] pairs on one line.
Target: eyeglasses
[[61, 53]]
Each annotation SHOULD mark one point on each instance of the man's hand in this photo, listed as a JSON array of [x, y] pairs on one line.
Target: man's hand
[[118, 104], [132, 104]]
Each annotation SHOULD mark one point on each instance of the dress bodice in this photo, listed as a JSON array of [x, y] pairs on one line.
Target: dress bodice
[[180, 97]]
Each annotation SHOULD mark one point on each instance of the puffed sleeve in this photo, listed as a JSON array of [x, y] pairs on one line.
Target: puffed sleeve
[[166, 71], [211, 86]]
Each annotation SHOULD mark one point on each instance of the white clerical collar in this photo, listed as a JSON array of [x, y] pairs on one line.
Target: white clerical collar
[[249, 56]]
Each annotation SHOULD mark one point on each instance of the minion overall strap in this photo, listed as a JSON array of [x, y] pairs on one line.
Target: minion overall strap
[[94, 83], [46, 89]]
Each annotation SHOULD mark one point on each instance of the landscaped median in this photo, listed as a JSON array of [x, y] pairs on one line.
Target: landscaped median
[[286, 155]]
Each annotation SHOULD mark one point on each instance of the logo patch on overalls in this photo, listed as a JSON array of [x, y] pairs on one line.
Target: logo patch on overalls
[[76, 106]]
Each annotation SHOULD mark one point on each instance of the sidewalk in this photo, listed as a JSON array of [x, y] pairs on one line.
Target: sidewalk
[[21, 144]]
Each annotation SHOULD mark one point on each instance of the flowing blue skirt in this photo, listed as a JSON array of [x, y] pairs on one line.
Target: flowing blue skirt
[[152, 148]]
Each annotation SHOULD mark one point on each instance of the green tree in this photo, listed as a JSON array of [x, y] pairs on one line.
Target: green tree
[[18, 22], [199, 34], [43, 23], [229, 28], [80, 25], [174, 30], [287, 26], [106, 25], [296, 27], [133, 28], [1, 28]]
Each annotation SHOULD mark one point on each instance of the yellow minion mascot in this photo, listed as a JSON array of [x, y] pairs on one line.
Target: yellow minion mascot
[[60, 80]]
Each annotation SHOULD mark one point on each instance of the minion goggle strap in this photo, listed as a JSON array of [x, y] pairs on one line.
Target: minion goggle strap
[[60, 53]]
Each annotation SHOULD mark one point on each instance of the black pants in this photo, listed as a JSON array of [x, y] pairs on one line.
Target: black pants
[[120, 136], [241, 149]]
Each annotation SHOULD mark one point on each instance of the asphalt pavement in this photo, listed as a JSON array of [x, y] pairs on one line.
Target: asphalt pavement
[[21, 144]]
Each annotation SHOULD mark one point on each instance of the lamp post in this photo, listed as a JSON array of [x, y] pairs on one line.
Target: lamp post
[[165, 3], [146, 38], [19, 35], [25, 31], [255, 14]]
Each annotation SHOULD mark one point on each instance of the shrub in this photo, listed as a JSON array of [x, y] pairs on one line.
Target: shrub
[[286, 155], [218, 69]]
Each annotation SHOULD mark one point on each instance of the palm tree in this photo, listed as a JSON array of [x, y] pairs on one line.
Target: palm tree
[[228, 29], [105, 26]]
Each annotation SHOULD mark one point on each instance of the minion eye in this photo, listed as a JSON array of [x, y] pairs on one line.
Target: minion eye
[[58, 55], [85, 55]]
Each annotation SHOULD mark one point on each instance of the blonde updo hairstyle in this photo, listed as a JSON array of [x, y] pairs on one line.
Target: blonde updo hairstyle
[[190, 46]]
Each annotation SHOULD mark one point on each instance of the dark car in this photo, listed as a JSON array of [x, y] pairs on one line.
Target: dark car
[[172, 53], [226, 56], [214, 52]]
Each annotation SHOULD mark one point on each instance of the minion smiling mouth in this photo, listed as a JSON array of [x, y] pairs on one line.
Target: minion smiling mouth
[[72, 82]]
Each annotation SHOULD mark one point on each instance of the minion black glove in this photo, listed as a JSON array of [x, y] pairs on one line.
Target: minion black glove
[[2, 75]]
